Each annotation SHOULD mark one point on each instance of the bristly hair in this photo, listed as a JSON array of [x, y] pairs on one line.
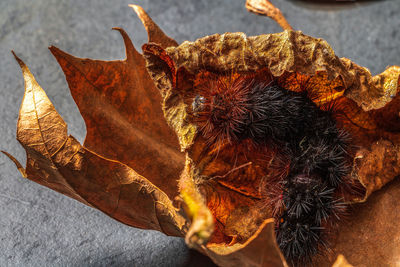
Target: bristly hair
[[220, 109], [305, 199]]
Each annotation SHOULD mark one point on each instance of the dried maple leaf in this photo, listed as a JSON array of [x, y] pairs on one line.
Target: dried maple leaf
[[299, 63], [375, 163], [58, 161], [121, 122], [131, 158]]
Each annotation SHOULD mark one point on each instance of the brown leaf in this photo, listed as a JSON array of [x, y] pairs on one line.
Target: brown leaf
[[371, 236], [266, 8], [155, 34], [122, 113], [377, 166], [222, 196], [298, 63], [284, 52], [58, 161], [259, 250]]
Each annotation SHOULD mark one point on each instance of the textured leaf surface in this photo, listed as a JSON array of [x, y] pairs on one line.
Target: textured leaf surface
[[121, 109], [370, 236], [130, 163], [298, 63], [58, 161]]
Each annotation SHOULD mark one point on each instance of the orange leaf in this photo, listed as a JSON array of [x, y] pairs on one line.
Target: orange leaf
[[130, 162], [259, 250], [266, 8], [58, 161], [122, 113], [298, 63], [155, 34], [370, 235]]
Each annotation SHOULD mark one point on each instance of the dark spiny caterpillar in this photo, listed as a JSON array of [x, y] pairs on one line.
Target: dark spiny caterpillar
[[306, 201]]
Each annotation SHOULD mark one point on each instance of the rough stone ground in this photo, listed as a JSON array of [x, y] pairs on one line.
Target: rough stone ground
[[39, 227]]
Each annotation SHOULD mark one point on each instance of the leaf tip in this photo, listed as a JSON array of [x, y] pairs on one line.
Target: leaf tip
[[155, 34], [135, 7], [16, 162], [12, 52], [58, 53], [20, 62], [266, 8], [27, 74], [139, 11], [130, 49], [53, 49]]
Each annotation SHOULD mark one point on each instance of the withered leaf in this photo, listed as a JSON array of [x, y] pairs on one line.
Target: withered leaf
[[122, 113], [259, 250], [299, 63], [223, 203], [370, 235], [266, 8], [155, 34], [58, 161]]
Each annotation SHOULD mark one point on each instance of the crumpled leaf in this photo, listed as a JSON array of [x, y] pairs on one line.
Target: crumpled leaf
[[228, 218], [299, 63], [124, 121], [259, 250], [58, 161]]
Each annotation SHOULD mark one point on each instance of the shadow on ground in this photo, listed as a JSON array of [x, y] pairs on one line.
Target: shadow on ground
[[332, 5]]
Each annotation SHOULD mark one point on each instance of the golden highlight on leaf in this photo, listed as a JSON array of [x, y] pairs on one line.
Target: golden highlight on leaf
[[341, 262], [58, 161], [40, 129], [372, 93], [143, 147], [266, 8], [259, 250], [298, 63], [281, 53], [155, 34], [202, 224]]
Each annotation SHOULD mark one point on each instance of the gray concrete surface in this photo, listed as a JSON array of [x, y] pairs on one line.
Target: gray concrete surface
[[39, 227]]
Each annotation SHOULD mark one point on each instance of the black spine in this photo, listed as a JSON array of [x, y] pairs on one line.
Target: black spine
[[305, 202], [318, 150]]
